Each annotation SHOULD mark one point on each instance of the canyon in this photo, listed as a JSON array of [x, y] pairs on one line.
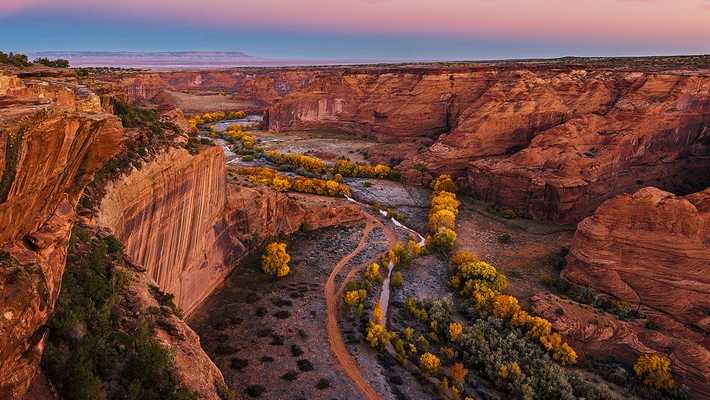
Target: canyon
[[618, 152], [551, 142]]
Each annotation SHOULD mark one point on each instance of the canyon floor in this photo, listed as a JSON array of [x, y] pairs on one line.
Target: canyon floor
[[291, 338]]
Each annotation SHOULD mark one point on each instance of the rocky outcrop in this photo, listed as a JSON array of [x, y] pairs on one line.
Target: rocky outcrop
[[178, 218], [260, 86], [598, 335], [54, 137], [551, 141], [192, 367], [655, 132], [650, 249]]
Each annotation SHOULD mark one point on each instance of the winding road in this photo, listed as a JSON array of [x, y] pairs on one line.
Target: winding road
[[335, 337], [333, 296]]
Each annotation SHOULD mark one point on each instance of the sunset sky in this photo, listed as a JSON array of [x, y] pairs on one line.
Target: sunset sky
[[382, 29]]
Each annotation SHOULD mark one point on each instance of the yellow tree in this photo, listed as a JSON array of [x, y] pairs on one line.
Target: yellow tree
[[655, 370], [275, 260]]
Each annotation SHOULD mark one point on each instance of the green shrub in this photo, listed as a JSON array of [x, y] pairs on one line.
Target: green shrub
[[16, 60], [92, 352], [58, 63], [505, 238]]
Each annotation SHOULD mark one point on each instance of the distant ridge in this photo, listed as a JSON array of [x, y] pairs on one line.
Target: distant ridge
[[141, 53]]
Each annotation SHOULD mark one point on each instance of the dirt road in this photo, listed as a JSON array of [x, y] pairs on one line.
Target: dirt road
[[332, 296]]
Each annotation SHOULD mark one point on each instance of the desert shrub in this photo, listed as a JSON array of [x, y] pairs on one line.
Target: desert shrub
[[505, 306], [224, 392], [269, 177], [58, 63], [508, 213], [236, 115], [458, 373], [505, 238], [275, 260], [508, 357], [455, 330], [133, 116], [309, 163], [378, 336], [14, 59], [442, 219], [372, 273], [444, 240], [655, 370], [346, 167], [355, 300], [396, 279]]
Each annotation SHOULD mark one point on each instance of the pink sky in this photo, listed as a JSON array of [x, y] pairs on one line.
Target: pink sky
[[664, 20]]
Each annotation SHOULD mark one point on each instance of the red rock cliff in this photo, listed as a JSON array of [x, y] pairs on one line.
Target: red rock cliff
[[164, 214], [53, 138], [179, 219], [651, 250], [550, 143]]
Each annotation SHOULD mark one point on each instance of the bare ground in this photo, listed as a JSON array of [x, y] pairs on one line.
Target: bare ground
[[269, 337]]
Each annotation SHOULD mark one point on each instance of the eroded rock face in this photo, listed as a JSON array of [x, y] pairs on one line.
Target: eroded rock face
[[178, 218], [652, 251], [550, 141], [650, 248], [598, 335], [654, 132], [163, 214], [54, 137]]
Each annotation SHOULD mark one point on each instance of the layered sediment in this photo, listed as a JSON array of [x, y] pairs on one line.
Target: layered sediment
[[54, 137], [649, 249], [179, 219], [550, 141]]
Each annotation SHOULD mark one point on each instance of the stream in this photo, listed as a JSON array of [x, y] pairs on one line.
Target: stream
[[385, 292], [232, 157]]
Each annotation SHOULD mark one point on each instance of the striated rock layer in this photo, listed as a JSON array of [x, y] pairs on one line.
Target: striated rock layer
[[652, 251], [54, 136], [650, 248], [550, 141], [164, 213], [178, 218]]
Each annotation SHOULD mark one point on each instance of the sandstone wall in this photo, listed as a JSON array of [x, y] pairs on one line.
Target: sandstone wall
[[52, 140], [178, 218], [651, 250], [598, 335], [164, 214], [552, 144]]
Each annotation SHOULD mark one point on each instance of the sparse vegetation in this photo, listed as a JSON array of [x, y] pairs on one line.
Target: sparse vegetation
[[14, 59], [655, 371]]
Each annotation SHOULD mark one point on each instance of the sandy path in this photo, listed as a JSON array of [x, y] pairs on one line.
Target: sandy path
[[335, 337]]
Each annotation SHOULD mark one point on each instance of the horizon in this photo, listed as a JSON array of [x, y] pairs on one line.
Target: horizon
[[363, 29]]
